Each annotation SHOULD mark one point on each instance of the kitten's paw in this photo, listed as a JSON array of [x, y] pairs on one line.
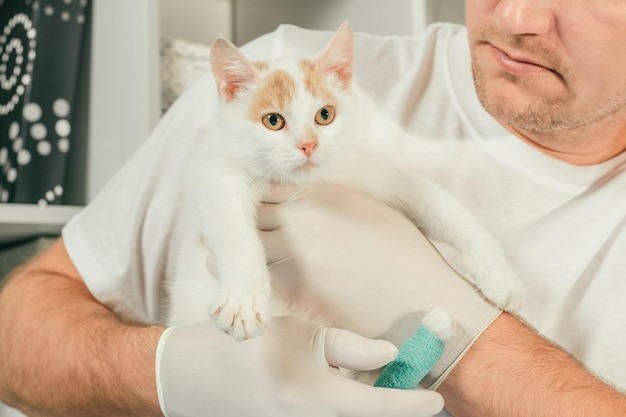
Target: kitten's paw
[[506, 296], [499, 283], [241, 314]]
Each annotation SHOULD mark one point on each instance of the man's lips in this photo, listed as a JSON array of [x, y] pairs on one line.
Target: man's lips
[[520, 66]]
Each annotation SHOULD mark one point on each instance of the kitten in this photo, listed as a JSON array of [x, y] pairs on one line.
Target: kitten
[[292, 122]]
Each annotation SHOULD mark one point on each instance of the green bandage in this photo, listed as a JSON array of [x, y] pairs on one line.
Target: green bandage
[[416, 357]]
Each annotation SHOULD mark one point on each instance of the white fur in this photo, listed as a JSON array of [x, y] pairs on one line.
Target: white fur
[[236, 159]]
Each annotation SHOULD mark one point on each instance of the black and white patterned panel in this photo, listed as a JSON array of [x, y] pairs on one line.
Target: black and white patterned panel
[[40, 53]]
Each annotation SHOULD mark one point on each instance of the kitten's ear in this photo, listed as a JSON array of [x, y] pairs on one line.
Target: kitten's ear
[[231, 69], [338, 55]]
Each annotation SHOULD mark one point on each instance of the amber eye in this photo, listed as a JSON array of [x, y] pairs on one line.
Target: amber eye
[[325, 115], [273, 121]]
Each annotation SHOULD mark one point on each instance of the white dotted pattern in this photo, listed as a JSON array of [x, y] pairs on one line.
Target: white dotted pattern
[[17, 61], [14, 63]]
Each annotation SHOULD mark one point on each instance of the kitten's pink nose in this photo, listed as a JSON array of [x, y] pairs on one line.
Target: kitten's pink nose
[[308, 147]]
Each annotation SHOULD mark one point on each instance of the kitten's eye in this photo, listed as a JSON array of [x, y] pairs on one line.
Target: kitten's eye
[[325, 115], [273, 121]]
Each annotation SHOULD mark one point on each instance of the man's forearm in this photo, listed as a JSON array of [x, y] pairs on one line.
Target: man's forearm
[[63, 353], [510, 371]]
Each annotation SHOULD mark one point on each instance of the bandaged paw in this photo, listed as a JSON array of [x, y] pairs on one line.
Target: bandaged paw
[[419, 353]]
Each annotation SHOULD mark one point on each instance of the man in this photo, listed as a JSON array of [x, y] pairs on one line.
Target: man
[[543, 173]]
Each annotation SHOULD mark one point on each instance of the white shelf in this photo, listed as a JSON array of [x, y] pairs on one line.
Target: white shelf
[[22, 221]]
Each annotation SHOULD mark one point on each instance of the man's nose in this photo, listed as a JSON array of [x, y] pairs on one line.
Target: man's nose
[[527, 17]]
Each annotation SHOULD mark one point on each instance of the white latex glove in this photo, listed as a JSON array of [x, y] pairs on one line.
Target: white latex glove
[[364, 267], [287, 371]]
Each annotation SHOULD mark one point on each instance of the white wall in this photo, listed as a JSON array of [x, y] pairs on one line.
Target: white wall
[[243, 20], [382, 17], [196, 20], [125, 92], [374, 16], [445, 10]]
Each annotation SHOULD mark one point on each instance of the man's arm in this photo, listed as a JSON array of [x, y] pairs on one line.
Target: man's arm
[[64, 353], [511, 371]]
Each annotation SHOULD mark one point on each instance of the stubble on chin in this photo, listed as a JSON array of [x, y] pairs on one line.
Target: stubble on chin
[[542, 113]]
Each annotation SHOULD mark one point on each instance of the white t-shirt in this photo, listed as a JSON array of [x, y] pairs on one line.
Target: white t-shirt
[[561, 225]]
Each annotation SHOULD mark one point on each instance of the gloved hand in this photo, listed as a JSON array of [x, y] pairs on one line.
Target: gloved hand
[[362, 266], [289, 370]]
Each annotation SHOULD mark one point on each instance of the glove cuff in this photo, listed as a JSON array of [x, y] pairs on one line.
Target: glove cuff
[[471, 328], [159, 352]]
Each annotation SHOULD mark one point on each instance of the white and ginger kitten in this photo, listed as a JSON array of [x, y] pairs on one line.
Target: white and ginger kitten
[[293, 122]]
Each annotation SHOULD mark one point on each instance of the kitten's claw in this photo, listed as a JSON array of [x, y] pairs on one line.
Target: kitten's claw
[[241, 315]]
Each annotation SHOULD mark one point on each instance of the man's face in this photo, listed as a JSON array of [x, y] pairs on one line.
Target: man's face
[[549, 65]]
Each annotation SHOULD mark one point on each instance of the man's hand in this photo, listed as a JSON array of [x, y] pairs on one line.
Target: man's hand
[[289, 370], [362, 266]]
